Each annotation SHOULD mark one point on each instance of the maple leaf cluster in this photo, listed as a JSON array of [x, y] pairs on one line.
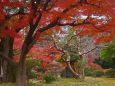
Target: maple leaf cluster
[[46, 53]]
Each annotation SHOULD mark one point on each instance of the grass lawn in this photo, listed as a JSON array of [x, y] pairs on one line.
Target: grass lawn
[[89, 81]]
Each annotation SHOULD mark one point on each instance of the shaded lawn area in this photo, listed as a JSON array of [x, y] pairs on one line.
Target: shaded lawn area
[[89, 81]]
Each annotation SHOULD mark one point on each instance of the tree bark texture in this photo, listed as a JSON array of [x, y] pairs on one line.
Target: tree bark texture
[[8, 70], [21, 74]]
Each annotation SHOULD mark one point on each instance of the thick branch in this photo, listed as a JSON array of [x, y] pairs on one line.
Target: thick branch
[[54, 23], [62, 50], [93, 5], [38, 19], [78, 24], [11, 61]]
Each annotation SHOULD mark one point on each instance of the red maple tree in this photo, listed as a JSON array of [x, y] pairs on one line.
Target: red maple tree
[[43, 16]]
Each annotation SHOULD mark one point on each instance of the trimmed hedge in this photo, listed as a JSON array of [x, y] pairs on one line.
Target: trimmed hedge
[[110, 73]]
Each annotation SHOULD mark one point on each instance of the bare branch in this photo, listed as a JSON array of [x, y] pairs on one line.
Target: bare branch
[[63, 51], [56, 46], [72, 38], [89, 51]]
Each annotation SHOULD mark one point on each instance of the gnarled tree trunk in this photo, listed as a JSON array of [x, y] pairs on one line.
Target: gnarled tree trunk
[[70, 67], [76, 75]]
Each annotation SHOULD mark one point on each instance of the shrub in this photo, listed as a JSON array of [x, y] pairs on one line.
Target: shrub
[[98, 73], [81, 64], [110, 73], [49, 78], [32, 75], [88, 71], [35, 65]]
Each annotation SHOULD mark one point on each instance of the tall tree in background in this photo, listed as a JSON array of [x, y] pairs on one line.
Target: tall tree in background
[[43, 16], [107, 57], [108, 52]]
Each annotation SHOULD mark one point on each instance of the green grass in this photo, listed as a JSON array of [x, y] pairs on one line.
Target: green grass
[[89, 81], [7, 84]]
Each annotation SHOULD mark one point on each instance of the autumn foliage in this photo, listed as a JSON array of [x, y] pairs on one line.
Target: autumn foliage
[[60, 13], [38, 18]]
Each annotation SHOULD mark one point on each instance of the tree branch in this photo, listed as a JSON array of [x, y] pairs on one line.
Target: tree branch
[[56, 46], [62, 50], [89, 51], [78, 24], [68, 41], [9, 60], [54, 23], [46, 4], [38, 19]]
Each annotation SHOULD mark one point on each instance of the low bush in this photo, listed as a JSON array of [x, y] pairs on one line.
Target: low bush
[[32, 75], [98, 73], [49, 78], [110, 73], [88, 71]]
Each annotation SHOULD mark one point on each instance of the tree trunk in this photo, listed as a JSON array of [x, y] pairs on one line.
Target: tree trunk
[[76, 75], [4, 66], [0, 66], [82, 74], [8, 73], [11, 74], [21, 77], [6, 47], [21, 74]]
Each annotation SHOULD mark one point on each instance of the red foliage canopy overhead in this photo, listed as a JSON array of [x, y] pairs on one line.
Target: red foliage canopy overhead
[[41, 17], [47, 14]]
